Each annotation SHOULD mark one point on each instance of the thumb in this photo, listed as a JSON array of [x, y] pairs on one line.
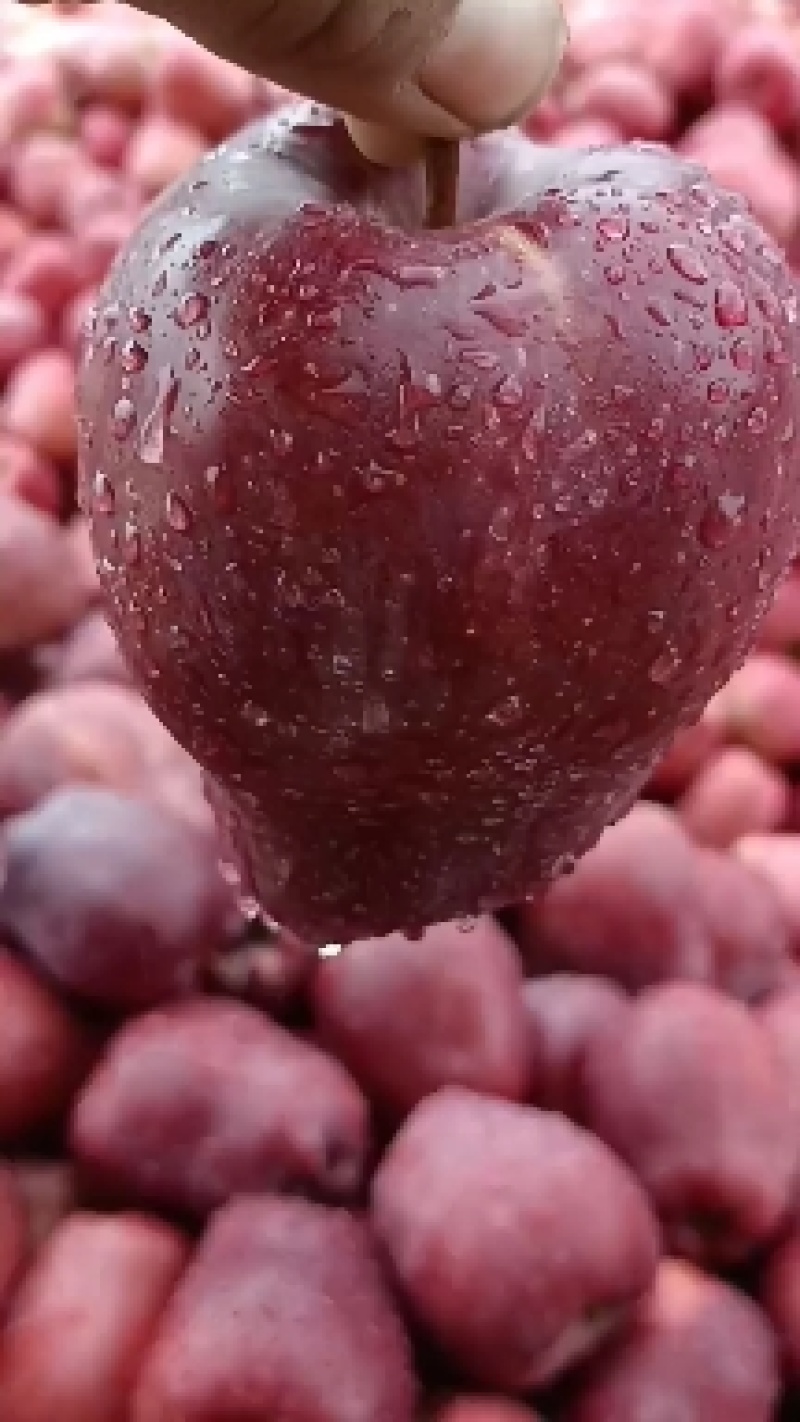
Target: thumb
[[431, 68], [487, 67]]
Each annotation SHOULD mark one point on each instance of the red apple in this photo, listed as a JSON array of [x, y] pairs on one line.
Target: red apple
[[691, 1093], [204, 1101], [408, 1016], [624, 95], [284, 1312], [365, 495], [761, 67], [46, 1053], [518, 1243], [564, 1011], [780, 1296], [691, 751], [630, 911], [79, 1327], [699, 1351], [760, 706], [780, 1016], [736, 794], [748, 924]]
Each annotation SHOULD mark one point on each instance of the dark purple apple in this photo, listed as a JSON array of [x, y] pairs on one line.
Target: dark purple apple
[[425, 543]]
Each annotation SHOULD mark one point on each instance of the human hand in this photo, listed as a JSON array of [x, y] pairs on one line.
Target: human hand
[[405, 69]]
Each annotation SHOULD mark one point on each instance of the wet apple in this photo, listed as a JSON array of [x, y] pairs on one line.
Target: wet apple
[[426, 542]]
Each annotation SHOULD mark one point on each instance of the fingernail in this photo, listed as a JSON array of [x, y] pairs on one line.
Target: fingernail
[[497, 60]]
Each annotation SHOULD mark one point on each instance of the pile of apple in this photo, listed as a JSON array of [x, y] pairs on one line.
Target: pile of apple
[[720, 82], [539, 1165]]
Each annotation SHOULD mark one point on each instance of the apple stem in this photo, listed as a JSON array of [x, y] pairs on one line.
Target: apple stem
[[442, 163]]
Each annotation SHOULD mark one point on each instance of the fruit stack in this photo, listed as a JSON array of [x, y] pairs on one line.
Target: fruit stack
[[539, 1164], [720, 82]]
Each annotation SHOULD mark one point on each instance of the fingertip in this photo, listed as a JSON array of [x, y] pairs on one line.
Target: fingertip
[[496, 61], [382, 144]]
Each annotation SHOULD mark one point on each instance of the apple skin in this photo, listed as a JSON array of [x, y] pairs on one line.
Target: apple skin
[[426, 543]]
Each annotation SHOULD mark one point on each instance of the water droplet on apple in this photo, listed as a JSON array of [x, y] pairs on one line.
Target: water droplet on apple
[[220, 484], [685, 261], [502, 318], [507, 713], [255, 714], [732, 237], [758, 420], [774, 349], [139, 319], [325, 318], [768, 303], [282, 442], [482, 360], [154, 430], [123, 418], [374, 478], [613, 229], [532, 434], [681, 470], [509, 393], [461, 396], [375, 715], [659, 313], [404, 439], [718, 392], [742, 354], [344, 398], [615, 275], [179, 515], [418, 393], [564, 865], [406, 276], [730, 306], [250, 908], [132, 545], [103, 494], [721, 520], [133, 358], [665, 668], [193, 309]]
